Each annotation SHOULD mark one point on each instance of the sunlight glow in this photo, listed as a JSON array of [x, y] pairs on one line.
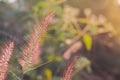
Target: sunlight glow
[[117, 2], [11, 1]]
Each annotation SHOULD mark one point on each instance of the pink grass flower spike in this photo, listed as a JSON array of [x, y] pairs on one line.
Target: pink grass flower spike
[[31, 51], [6, 53], [69, 71]]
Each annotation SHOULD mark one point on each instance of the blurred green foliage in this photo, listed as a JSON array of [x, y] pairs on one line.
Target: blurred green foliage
[[68, 27]]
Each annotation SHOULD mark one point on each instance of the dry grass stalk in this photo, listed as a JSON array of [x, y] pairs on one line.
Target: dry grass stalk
[[6, 53], [31, 51]]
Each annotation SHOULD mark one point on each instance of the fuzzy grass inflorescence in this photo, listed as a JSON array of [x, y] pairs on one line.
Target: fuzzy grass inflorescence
[[6, 53], [31, 51], [69, 71]]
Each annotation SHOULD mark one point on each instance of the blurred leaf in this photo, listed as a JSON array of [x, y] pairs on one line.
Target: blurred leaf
[[60, 35], [93, 28], [87, 41], [41, 4], [56, 78], [88, 67], [48, 74], [73, 31], [58, 58], [83, 20], [51, 57], [82, 63], [58, 10], [52, 28], [46, 35]]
